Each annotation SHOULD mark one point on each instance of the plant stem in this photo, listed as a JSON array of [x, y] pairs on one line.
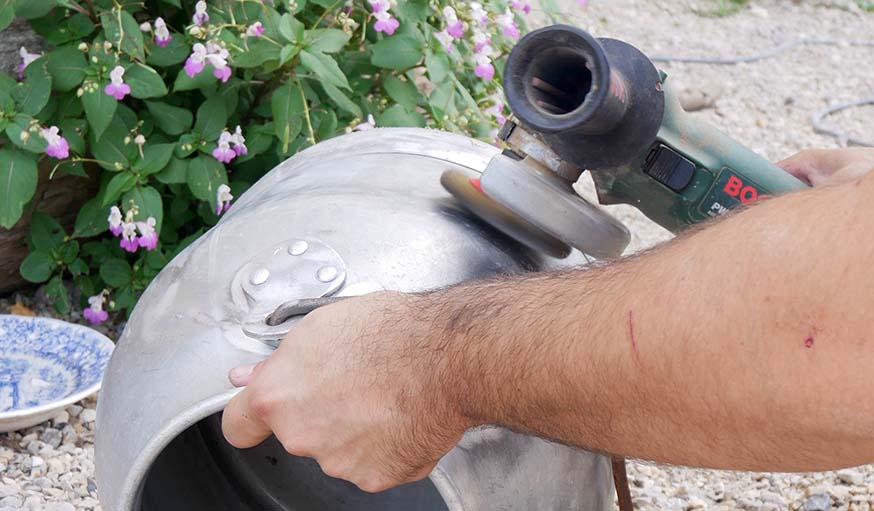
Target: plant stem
[[91, 13], [306, 113]]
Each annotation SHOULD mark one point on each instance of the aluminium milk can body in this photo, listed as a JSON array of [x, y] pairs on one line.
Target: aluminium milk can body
[[355, 214]]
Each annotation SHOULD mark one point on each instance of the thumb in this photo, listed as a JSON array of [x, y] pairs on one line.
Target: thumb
[[240, 376]]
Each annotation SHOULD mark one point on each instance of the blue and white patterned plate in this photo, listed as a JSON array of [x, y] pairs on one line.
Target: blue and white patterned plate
[[45, 365]]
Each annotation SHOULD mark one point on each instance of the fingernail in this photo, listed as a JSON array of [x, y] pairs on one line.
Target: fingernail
[[239, 376]]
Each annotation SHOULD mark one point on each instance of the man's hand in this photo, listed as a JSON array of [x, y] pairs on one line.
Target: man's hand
[[822, 167], [349, 387]]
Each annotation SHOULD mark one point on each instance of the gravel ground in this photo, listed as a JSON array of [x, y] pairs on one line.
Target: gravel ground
[[766, 105]]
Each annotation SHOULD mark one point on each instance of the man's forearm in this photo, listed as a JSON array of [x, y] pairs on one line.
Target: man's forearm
[[731, 347]]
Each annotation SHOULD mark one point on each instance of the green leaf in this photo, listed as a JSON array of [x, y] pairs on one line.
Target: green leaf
[[211, 118], [171, 119], [116, 272], [72, 130], [99, 110], [437, 65], [259, 52], [288, 52], [327, 40], [33, 93], [37, 267], [67, 66], [325, 67], [18, 178], [78, 267], [7, 13], [291, 29], [144, 82], [205, 174], [32, 141], [155, 158], [397, 115], [397, 52], [175, 172], [68, 251], [442, 99], [413, 11], [341, 100], [120, 183], [149, 204], [46, 234], [174, 3], [287, 105], [123, 30], [58, 295], [30, 9], [203, 79], [92, 219], [403, 92], [110, 151], [175, 52], [328, 126]]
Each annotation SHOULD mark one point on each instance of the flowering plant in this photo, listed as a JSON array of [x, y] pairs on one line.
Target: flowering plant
[[177, 106]]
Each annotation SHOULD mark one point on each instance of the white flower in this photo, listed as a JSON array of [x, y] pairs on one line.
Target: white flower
[[364, 126], [145, 27], [223, 198]]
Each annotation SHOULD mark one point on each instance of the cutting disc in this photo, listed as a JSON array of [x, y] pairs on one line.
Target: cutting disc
[[466, 188]]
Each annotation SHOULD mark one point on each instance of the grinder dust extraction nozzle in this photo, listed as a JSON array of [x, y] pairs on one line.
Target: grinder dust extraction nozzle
[[596, 102]]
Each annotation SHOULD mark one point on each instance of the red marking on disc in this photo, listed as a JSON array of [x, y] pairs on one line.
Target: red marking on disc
[[474, 181], [808, 343]]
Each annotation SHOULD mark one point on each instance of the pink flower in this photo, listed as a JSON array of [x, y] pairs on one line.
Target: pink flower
[[218, 57], [454, 27], [379, 5], [385, 23], [200, 15], [384, 20], [520, 6], [223, 74], [480, 40], [223, 199], [445, 40], [497, 109], [239, 142], [129, 240], [583, 3], [484, 68], [508, 22], [94, 313], [162, 34], [117, 88], [115, 221], [196, 61], [26, 59], [223, 151], [255, 29], [478, 14], [57, 145], [148, 235]]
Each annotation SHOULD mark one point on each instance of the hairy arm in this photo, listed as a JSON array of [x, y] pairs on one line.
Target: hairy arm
[[744, 345]]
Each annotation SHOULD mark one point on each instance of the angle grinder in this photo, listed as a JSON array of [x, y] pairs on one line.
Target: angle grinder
[[600, 105]]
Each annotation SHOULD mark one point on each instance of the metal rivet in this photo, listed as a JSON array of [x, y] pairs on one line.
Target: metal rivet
[[298, 247], [259, 276], [327, 273]]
